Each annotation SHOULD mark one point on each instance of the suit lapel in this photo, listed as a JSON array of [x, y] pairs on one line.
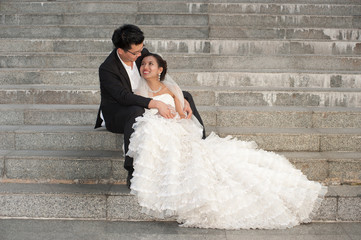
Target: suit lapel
[[122, 71]]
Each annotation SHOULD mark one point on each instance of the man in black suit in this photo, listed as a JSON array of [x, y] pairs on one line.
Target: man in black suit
[[119, 77]]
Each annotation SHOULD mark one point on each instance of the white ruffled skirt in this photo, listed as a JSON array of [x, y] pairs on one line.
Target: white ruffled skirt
[[217, 182]]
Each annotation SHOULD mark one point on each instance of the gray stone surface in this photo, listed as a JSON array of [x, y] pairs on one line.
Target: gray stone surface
[[84, 77], [257, 97], [276, 141], [281, 21], [346, 170], [61, 117], [55, 206], [101, 31], [289, 33], [256, 117], [114, 202], [340, 142], [12, 117], [57, 229], [66, 138], [125, 208], [57, 169], [77, 230], [349, 209], [68, 7], [316, 170], [175, 61], [7, 137], [266, 8], [73, 166], [328, 209]]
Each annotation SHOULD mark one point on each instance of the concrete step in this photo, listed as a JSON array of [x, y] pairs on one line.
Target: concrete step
[[105, 31], [25, 137], [227, 32], [113, 202], [284, 8], [108, 19], [197, 46], [264, 117], [206, 78], [342, 2], [109, 7], [107, 166], [207, 96], [194, 19], [180, 7], [266, 20], [293, 139], [46, 137], [63, 166], [188, 61], [182, 32]]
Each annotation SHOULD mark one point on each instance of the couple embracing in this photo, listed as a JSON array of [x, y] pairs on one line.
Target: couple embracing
[[175, 171]]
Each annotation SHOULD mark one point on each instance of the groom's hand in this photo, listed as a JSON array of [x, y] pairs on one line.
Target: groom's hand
[[163, 108], [187, 109]]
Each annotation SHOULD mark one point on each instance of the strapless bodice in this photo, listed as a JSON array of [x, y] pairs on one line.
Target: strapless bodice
[[166, 98]]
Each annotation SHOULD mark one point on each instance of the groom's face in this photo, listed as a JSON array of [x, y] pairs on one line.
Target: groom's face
[[132, 54]]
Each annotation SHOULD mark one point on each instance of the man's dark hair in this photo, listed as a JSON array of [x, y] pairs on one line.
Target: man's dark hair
[[127, 35]]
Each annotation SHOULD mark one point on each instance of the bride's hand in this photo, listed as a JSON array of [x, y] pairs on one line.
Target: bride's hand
[[163, 108], [187, 109]]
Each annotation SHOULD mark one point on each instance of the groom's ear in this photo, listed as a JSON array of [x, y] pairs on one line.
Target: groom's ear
[[120, 51]]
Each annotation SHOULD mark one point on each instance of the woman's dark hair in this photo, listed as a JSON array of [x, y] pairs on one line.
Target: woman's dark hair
[[161, 63], [127, 35]]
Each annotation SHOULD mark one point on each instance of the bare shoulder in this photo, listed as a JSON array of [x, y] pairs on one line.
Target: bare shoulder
[[166, 90]]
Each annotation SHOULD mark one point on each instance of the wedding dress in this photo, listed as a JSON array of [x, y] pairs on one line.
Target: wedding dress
[[215, 182]]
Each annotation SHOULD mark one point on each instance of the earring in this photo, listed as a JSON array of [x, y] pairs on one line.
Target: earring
[[159, 77]]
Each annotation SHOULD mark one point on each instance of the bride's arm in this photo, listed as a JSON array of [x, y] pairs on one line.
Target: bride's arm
[[178, 107]]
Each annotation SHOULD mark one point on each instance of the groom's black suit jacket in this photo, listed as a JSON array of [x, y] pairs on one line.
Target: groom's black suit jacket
[[116, 93]]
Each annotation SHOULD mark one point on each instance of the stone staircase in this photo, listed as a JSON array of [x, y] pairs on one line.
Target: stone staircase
[[284, 73]]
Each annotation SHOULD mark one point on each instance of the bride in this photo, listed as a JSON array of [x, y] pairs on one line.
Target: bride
[[215, 182]]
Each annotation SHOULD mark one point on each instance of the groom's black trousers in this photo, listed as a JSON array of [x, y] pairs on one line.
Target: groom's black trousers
[[125, 124]]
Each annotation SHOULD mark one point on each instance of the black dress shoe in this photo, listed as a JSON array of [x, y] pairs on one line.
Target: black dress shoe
[[130, 176]]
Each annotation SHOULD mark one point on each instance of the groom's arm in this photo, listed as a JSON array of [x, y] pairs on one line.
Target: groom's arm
[[189, 98]]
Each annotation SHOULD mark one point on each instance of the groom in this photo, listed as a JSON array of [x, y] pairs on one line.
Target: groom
[[119, 77]]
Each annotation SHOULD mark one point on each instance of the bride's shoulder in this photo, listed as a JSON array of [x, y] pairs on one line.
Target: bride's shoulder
[[167, 91]]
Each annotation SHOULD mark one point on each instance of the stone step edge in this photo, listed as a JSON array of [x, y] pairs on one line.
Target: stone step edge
[[165, 55], [170, 13], [218, 89], [122, 190], [117, 155], [87, 107], [113, 26], [152, 39], [194, 71], [113, 202], [20, 129], [113, 161], [204, 3], [217, 1]]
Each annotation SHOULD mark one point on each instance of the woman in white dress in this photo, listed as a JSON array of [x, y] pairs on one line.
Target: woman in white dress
[[215, 182]]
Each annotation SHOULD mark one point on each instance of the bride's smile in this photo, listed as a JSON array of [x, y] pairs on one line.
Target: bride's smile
[[149, 68]]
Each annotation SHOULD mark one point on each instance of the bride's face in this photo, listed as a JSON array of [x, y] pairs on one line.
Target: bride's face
[[149, 69]]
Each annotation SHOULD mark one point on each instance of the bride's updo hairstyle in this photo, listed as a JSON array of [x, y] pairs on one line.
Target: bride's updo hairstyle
[[160, 61]]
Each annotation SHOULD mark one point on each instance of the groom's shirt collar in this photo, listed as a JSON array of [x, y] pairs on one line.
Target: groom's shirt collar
[[133, 73]]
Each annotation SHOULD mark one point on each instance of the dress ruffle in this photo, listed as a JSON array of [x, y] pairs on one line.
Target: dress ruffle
[[217, 182]]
